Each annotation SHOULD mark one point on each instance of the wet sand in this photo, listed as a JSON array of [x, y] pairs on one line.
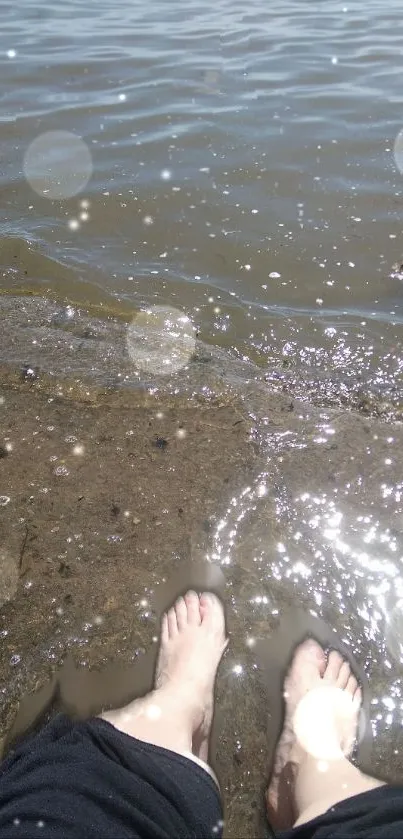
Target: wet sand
[[104, 500], [94, 544]]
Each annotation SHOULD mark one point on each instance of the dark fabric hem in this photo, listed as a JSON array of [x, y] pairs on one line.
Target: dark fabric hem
[[376, 814], [87, 780]]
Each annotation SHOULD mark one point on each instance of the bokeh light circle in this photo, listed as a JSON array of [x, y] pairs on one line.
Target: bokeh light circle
[[398, 151], [161, 340], [58, 165], [325, 723]]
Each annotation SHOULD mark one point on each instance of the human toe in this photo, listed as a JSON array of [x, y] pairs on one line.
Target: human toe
[[334, 664], [193, 608], [212, 612]]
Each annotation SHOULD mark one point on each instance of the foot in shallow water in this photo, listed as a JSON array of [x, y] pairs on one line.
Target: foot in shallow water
[[177, 714], [322, 703], [192, 644]]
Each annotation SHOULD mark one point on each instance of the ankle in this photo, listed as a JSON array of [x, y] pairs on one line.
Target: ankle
[[180, 703]]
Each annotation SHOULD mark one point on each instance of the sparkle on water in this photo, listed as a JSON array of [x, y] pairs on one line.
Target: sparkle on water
[[340, 549], [61, 471]]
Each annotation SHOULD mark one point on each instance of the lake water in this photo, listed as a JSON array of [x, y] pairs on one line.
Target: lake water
[[241, 160], [239, 165]]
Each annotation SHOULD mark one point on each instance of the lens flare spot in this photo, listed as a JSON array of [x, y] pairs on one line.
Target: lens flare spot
[[161, 340], [325, 723], [153, 712], [58, 165]]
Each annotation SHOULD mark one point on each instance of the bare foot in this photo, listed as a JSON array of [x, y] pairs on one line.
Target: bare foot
[[192, 644], [322, 702], [177, 714]]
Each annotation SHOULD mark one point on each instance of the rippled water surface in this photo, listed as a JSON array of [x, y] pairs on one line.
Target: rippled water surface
[[240, 154], [239, 166]]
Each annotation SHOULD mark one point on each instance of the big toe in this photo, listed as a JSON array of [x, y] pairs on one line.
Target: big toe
[[193, 608], [309, 663], [212, 614]]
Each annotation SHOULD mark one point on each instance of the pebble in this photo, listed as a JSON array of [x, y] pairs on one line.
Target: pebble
[[15, 659]]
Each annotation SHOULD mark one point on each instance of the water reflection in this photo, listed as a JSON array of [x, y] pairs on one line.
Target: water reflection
[[338, 550]]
